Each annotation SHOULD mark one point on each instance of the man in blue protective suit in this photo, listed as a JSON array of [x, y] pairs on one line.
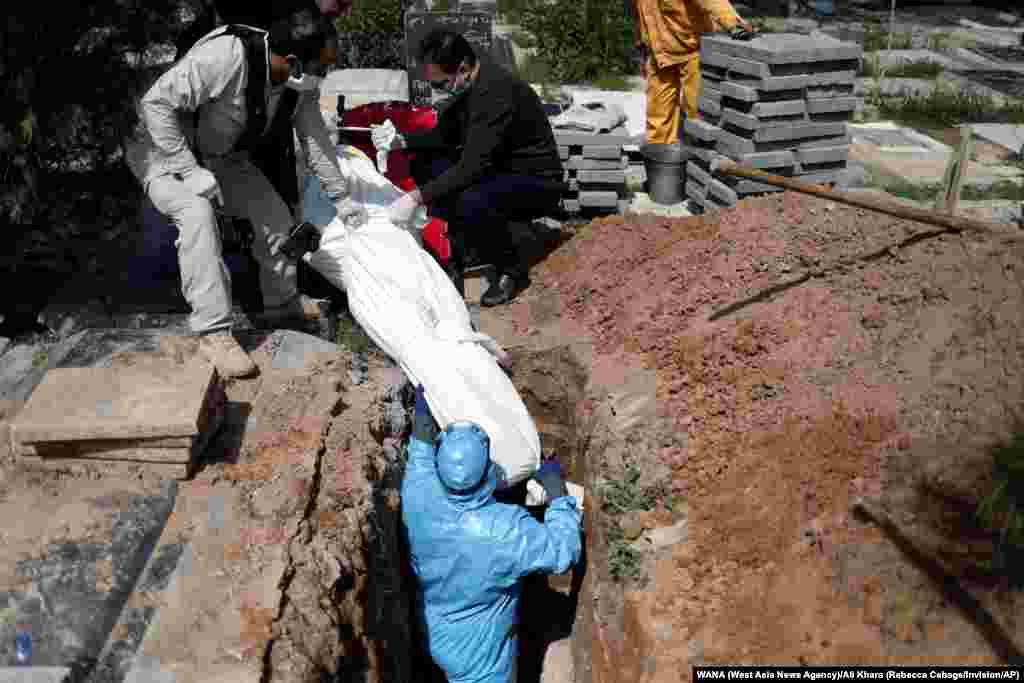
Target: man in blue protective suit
[[470, 553]]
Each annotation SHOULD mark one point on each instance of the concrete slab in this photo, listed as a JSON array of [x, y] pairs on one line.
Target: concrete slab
[[33, 674], [776, 83], [740, 92], [721, 60], [824, 178], [798, 131], [118, 659], [581, 139], [831, 90], [747, 67], [854, 176], [70, 610], [103, 403], [293, 350], [697, 174], [906, 87], [995, 84], [844, 79], [578, 162], [602, 152], [612, 177], [890, 135], [722, 192], [732, 144], [783, 48], [706, 156], [762, 160], [709, 106], [754, 123], [120, 450], [714, 94], [930, 171], [830, 105], [700, 130], [891, 58], [784, 108], [964, 58], [695, 192], [748, 187], [822, 154], [599, 199], [1006, 135]]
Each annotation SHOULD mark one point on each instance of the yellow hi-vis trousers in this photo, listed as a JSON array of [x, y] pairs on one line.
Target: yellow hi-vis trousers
[[671, 90]]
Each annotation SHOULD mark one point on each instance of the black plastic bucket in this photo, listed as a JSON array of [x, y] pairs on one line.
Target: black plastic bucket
[[665, 177]]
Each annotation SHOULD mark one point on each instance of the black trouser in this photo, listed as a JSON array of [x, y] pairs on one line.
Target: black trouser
[[479, 215]]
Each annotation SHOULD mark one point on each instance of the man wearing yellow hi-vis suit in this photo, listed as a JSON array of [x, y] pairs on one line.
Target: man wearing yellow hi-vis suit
[[670, 31]]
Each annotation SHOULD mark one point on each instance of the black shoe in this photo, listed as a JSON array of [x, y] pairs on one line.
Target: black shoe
[[458, 278], [503, 290]]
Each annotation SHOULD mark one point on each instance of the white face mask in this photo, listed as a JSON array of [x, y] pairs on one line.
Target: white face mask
[[302, 78], [445, 95], [305, 83]]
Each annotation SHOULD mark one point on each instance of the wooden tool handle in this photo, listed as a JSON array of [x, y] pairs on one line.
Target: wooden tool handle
[[911, 213]]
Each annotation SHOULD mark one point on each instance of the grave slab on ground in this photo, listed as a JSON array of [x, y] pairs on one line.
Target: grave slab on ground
[[891, 151], [906, 87], [891, 58], [1007, 135], [895, 138], [95, 543], [122, 403], [34, 674]]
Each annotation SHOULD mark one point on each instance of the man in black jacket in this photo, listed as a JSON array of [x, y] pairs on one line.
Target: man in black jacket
[[491, 159]]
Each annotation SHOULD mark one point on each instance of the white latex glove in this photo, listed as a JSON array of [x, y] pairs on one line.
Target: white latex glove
[[386, 137], [306, 83], [350, 212], [202, 183], [402, 209], [578, 493], [535, 494]]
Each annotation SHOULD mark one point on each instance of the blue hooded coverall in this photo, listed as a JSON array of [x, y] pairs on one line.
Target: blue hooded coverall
[[469, 554]]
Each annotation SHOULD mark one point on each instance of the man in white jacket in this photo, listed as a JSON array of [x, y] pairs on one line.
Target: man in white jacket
[[191, 152]]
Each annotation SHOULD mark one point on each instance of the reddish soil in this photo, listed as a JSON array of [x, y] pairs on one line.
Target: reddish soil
[[865, 380]]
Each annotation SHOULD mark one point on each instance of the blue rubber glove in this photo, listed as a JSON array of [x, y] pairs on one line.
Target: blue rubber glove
[[424, 428], [550, 477]]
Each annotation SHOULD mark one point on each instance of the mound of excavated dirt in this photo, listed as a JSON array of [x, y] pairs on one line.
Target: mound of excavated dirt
[[889, 356]]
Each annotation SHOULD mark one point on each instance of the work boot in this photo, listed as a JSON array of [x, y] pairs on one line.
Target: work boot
[[301, 309], [504, 289], [221, 349]]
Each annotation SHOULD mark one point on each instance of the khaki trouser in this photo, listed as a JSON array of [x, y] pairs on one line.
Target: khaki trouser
[[670, 91], [205, 279]]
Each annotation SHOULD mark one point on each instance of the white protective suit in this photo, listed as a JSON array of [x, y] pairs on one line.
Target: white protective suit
[[211, 79]]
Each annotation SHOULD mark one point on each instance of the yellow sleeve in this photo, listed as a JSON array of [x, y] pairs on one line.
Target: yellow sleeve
[[721, 13]]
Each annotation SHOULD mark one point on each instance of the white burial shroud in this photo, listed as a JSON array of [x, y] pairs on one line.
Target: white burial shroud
[[407, 305]]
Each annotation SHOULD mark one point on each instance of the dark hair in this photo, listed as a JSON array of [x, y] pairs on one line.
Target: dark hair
[[447, 49]]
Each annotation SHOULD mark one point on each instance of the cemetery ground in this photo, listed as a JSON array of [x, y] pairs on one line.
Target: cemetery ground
[[725, 386]]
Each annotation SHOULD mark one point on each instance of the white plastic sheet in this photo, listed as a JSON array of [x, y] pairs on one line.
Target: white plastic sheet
[[408, 306]]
